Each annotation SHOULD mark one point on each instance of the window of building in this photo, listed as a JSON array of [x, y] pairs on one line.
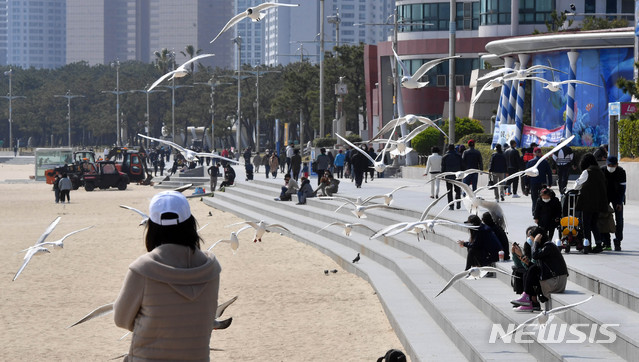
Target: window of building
[[590, 6], [535, 11], [436, 16], [494, 12]]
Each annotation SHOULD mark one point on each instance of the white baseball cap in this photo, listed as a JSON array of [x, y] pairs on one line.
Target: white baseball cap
[[169, 201]]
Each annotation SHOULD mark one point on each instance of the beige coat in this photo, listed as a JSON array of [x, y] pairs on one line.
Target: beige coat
[[168, 301]]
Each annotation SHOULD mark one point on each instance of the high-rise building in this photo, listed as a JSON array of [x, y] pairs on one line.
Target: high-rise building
[[3, 32], [35, 33]]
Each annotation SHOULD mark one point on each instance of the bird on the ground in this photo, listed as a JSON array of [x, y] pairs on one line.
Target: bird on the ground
[[232, 240], [356, 258], [60, 242], [408, 119], [334, 271], [325, 271], [412, 81], [542, 319], [210, 213], [145, 217], [388, 197], [255, 13], [379, 166], [533, 171], [260, 227], [476, 272], [554, 86], [472, 203], [180, 72], [348, 227], [189, 155]]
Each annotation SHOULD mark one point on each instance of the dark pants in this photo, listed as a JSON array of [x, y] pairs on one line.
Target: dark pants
[[283, 195], [562, 178], [320, 174], [57, 195], [532, 286], [514, 182], [339, 170], [63, 194], [267, 169], [449, 187], [591, 230], [359, 176], [471, 180], [534, 194], [605, 237]]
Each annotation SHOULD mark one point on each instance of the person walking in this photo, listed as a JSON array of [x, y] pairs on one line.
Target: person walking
[[592, 199], [452, 162], [472, 160], [296, 164], [615, 177], [360, 165], [433, 168], [56, 188], [513, 164], [339, 164], [289, 156], [274, 164], [266, 162], [543, 178], [173, 285], [323, 162], [497, 168], [214, 173], [65, 188], [257, 162], [564, 161]]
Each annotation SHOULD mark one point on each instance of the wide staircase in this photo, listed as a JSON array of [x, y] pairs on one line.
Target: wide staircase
[[465, 322]]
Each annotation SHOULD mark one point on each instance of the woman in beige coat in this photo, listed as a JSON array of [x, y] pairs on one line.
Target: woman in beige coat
[[274, 163], [169, 296]]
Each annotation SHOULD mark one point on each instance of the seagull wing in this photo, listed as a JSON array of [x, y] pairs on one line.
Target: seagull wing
[[566, 307], [362, 225], [492, 269], [495, 73], [452, 280], [161, 79], [516, 174], [145, 216], [527, 321], [357, 148], [271, 226], [73, 232], [217, 242], [557, 148], [98, 312], [578, 82], [430, 65], [242, 229], [465, 188], [172, 144], [27, 258], [195, 59], [183, 188], [389, 126], [486, 86], [430, 207], [222, 324], [242, 222], [405, 71], [222, 307], [331, 224], [388, 229], [234, 20], [213, 155], [48, 230], [202, 228], [264, 6], [412, 133]]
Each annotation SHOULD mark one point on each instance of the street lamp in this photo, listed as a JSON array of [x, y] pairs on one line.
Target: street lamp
[[117, 93], [69, 97], [148, 121], [321, 71], [257, 74], [335, 20], [238, 140], [173, 87], [10, 97], [213, 83]]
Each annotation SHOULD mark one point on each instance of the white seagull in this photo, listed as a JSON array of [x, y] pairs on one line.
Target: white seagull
[[389, 228], [557, 86], [412, 81], [145, 217], [180, 72], [511, 73], [233, 240], [408, 119], [491, 84], [379, 166], [254, 13], [472, 273], [427, 225], [260, 227], [388, 197], [472, 203], [359, 207], [401, 144], [189, 155], [546, 316], [459, 175], [348, 227], [533, 171], [35, 250], [60, 242]]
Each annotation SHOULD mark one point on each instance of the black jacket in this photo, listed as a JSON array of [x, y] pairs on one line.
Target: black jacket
[[486, 244], [548, 213], [550, 260], [452, 162], [472, 159]]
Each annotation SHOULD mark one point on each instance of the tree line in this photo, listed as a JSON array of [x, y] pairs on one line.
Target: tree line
[[41, 118]]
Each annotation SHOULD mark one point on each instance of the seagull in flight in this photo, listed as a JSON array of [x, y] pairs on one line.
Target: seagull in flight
[[557, 86], [180, 72], [511, 73], [35, 249], [359, 207], [60, 242], [189, 155], [260, 227], [233, 240], [401, 144], [145, 217], [543, 318], [490, 85], [472, 202], [459, 175], [379, 166], [408, 119], [472, 273], [412, 81], [348, 227], [388, 197], [390, 228], [533, 171], [254, 13]]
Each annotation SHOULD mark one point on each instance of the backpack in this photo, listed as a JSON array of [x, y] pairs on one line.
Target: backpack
[[393, 355]]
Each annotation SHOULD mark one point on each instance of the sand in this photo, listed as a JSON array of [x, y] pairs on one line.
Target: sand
[[287, 309]]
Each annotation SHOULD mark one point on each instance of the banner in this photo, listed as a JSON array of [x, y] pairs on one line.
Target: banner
[[503, 133], [541, 136]]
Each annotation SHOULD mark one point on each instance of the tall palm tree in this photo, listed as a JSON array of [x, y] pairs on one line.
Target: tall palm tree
[[163, 60], [190, 51]]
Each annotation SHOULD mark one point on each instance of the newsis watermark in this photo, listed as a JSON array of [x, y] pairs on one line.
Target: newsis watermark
[[555, 333]]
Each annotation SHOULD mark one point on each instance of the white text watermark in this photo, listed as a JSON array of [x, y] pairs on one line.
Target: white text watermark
[[555, 333]]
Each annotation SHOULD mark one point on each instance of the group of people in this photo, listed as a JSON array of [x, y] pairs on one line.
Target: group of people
[[328, 185], [62, 186]]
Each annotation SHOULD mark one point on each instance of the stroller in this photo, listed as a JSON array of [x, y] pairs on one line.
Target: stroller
[[569, 226]]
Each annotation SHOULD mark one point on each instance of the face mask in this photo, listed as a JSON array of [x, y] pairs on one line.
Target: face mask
[[611, 169], [545, 200], [529, 240]]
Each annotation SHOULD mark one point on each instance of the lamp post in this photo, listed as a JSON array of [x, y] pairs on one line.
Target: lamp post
[[213, 83], [238, 139], [258, 73], [321, 71], [117, 93], [335, 20], [173, 87], [10, 97], [69, 97], [451, 73], [148, 121]]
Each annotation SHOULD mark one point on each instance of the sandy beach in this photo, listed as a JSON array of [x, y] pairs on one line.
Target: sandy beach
[[287, 309]]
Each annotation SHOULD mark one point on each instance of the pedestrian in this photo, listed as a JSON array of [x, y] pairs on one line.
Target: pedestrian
[[452, 162], [331, 162], [161, 164], [371, 170], [15, 150], [214, 173], [564, 161], [472, 160], [323, 163], [433, 168], [497, 168], [56, 188], [289, 156], [266, 162], [173, 285], [483, 245], [592, 199], [282, 161], [257, 162], [548, 212], [513, 164], [339, 164], [543, 178], [274, 163], [360, 165], [65, 188], [296, 164], [615, 177]]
